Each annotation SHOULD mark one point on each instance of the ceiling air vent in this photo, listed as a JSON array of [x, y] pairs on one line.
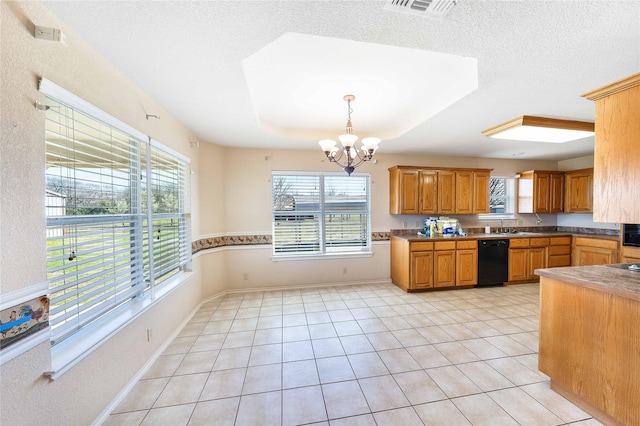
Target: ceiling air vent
[[430, 8]]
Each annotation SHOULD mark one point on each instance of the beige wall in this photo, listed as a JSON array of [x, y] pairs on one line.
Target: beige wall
[[230, 195], [82, 393]]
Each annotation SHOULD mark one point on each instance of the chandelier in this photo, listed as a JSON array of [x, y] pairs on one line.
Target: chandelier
[[350, 155]]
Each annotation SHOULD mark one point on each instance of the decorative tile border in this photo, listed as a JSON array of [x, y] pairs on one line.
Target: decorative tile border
[[252, 240]]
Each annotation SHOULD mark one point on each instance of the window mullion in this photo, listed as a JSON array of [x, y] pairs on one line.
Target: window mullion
[[149, 218], [323, 237]]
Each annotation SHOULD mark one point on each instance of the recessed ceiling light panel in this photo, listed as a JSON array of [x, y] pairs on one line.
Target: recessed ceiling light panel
[[541, 129]]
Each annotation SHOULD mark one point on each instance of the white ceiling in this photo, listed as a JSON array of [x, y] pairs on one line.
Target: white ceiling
[[533, 58]]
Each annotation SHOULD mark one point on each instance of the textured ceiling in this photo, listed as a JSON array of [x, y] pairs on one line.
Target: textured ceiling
[[534, 58]]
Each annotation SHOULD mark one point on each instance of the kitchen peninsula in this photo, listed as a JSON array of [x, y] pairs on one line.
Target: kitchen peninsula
[[590, 339]]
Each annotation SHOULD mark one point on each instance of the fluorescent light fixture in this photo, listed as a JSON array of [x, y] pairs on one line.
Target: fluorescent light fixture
[[540, 129]]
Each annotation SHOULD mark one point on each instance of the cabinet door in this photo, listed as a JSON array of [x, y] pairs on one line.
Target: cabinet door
[[481, 181], [556, 193], [585, 256], [541, 192], [428, 188], [408, 195], [444, 268], [446, 192], [537, 260], [466, 267], [421, 269], [579, 191], [464, 192], [518, 258]]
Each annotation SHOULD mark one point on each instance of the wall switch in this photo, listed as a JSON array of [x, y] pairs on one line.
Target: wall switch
[[245, 276], [149, 334]]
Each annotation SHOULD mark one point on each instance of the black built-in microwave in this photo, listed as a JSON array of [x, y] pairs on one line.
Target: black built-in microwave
[[631, 234]]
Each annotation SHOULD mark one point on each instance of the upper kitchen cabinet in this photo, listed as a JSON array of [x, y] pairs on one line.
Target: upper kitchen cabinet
[[541, 191], [578, 191], [429, 190], [404, 192], [472, 191], [616, 175]]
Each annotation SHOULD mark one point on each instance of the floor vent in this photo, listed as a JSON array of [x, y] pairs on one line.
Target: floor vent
[[429, 8]]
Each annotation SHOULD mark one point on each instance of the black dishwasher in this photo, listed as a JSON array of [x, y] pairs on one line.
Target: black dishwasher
[[493, 262]]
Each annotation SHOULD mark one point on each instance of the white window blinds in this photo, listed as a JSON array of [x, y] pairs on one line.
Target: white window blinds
[[316, 214], [99, 254]]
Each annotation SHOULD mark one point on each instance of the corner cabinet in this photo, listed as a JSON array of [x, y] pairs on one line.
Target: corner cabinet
[[541, 191], [616, 175], [578, 191], [430, 190]]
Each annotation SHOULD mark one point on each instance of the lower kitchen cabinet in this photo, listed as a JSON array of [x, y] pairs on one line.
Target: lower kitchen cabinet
[[594, 251], [525, 256], [559, 252], [466, 263], [630, 254], [421, 270], [444, 264], [424, 265]]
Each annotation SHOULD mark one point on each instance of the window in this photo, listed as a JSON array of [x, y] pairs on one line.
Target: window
[[111, 236], [501, 198], [318, 214]]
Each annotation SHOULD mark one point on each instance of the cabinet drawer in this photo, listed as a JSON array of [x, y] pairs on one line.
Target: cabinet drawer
[[597, 242], [556, 250], [467, 245], [519, 242], [559, 260], [539, 242], [422, 246], [445, 245], [560, 241]]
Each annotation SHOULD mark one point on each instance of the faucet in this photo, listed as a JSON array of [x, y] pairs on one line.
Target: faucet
[[502, 225], [538, 220]]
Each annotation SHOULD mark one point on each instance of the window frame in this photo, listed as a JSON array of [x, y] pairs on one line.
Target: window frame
[[74, 345], [510, 197], [322, 211]]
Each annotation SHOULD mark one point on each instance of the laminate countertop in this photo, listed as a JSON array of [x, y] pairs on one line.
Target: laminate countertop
[[494, 236], [611, 279]]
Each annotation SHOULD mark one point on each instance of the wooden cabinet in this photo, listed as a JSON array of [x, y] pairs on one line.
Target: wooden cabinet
[[541, 191], [630, 254], [525, 256], [446, 192], [444, 264], [423, 265], [472, 191], [404, 191], [466, 263], [428, 190], [578, 191], [421, 269], [594, 251], [559, 252], [616, 175]]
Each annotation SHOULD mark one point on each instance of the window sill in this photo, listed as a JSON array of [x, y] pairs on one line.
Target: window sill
[[328, 256], [74, 349]]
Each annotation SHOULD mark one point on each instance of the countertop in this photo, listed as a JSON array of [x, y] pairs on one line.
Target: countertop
[[493, 236], [606, 278]]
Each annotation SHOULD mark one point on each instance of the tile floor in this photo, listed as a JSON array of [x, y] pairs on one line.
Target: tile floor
[[356, 355]]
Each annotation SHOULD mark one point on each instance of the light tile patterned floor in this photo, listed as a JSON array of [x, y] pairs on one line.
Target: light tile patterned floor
[[356, 355]]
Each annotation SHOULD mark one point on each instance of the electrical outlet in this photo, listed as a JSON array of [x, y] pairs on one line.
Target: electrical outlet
[[245, 276], [149, 334], [344, 270], [404, 225]]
